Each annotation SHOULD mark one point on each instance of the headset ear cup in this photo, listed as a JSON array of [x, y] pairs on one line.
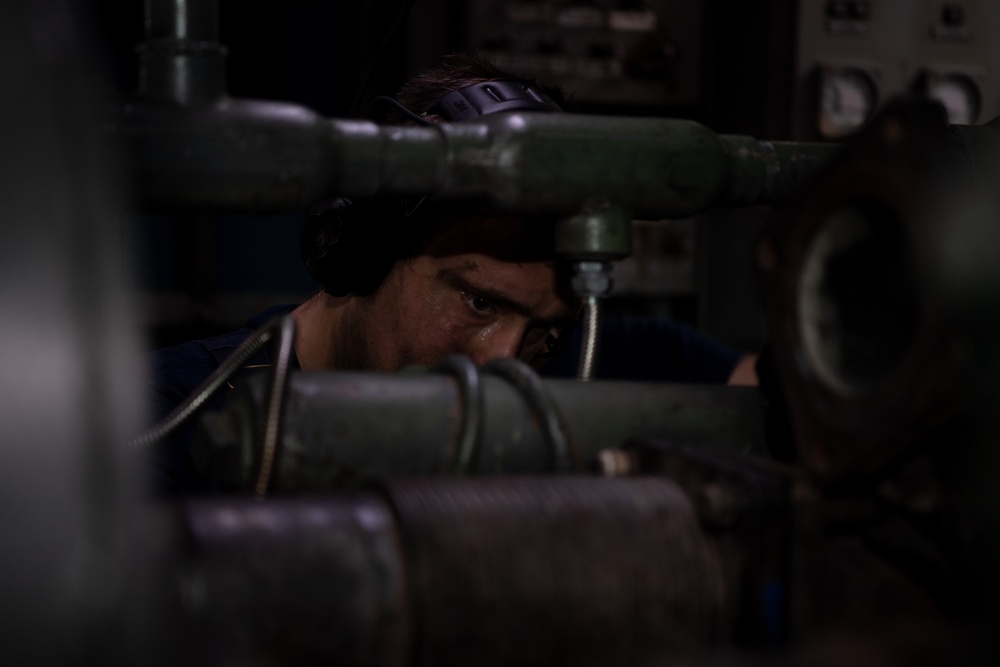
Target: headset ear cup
[[320, 245], [349, 248]]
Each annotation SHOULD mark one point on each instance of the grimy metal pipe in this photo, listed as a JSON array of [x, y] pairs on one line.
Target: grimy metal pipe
[[506, 571], [195, 148], [254, 155], [342, 427]]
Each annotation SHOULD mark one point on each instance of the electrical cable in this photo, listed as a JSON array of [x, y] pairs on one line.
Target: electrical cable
[[530, 386], [393, 29], [385, 99], [233, 363], [471, 388]]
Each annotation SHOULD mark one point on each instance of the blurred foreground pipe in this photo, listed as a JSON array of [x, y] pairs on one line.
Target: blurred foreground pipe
[[582, 571], [70, 390]]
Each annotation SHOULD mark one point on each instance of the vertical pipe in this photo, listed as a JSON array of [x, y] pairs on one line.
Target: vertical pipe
[[182, 20], [181, 62], [69, 392]]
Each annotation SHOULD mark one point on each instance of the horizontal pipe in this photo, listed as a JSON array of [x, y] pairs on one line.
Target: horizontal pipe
[[335, 427], [242, 155], [570, 570]]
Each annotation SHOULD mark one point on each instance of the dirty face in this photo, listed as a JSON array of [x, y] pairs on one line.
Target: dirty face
[[476, 292]]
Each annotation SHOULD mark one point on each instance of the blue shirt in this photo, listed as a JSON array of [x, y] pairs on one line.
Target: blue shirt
[[175, 373], [654, 349]]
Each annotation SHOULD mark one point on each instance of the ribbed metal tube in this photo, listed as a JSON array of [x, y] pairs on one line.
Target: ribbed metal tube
[[509, 571], [591, 334], [558, 571]]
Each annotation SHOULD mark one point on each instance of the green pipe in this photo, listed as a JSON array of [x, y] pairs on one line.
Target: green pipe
[[335, 426], [244, 155]]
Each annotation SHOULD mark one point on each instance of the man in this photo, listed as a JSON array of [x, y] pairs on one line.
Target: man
[[408, 282]]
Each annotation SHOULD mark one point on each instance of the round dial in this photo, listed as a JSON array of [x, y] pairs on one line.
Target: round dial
[[848, 98], [959, 96]]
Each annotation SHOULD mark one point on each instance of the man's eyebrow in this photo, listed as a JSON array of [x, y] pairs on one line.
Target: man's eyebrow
[[459, 279]]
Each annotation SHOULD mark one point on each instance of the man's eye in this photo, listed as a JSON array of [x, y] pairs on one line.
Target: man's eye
[[479, 304], [554, 344]]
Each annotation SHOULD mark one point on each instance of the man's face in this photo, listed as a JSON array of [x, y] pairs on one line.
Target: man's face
[[461, 295]]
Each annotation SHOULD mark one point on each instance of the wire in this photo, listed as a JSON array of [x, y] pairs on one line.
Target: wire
[[470, 385], [384, 99], [530, 386], [234, 362], [393, 29], [591, 334]]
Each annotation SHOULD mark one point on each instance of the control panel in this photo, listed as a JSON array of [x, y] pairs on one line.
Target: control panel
[[643, 53], [853, 55]]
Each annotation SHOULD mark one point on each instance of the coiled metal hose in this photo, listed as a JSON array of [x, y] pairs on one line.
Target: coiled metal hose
[[588, 350]]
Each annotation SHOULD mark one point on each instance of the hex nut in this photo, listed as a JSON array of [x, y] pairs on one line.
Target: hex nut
[[591, 278]]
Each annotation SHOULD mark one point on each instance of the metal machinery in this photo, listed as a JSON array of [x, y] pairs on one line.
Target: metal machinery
[[640, 53], [874, 537], [855, 55]]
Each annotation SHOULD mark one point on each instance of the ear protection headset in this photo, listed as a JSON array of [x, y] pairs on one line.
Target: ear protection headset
[[350, 246], [489, 97]]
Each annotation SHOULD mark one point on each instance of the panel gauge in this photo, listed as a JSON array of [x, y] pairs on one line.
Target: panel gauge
[[848, 98], [959, 95]]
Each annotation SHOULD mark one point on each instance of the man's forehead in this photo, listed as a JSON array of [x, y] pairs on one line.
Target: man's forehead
[[505, 237]]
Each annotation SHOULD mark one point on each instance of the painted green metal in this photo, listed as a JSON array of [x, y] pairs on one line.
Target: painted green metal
[[254, 155], [769, 171], [194, 148], [599, 232], [335, 428]]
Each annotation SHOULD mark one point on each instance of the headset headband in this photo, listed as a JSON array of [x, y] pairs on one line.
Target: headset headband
[[489, 97]]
